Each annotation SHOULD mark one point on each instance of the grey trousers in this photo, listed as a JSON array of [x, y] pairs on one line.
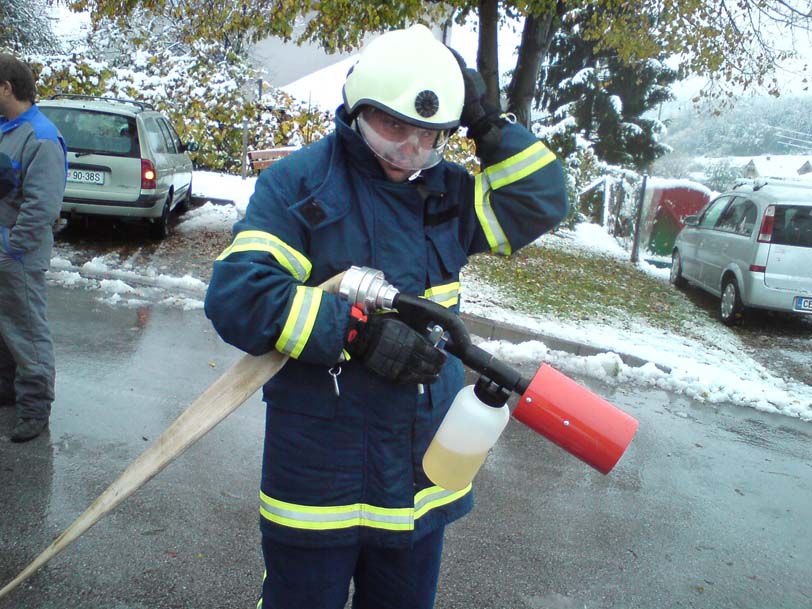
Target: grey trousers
[[26, 350]]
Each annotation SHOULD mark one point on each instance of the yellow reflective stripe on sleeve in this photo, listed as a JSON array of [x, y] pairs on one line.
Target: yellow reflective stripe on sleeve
[[322, 518], [512, 169], [446, 295], [258, 241], [487, 218], [520, 165], [300, 321]]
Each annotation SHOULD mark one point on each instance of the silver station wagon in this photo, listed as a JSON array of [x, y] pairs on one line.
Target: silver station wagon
[[124, 159], [752, 247]]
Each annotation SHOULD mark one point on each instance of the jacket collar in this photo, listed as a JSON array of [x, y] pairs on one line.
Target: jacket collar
[[26, 117]]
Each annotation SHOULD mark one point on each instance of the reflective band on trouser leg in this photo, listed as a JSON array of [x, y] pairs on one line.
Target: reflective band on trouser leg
[[323, 518], [446, 295], [258, 241], [519, 166], [300, 321], [264, 575]]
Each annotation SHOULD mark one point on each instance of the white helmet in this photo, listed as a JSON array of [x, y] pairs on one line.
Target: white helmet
[[408, 74]]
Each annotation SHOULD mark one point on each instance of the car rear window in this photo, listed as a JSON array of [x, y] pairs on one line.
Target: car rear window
[[93, 132], [793, 225]]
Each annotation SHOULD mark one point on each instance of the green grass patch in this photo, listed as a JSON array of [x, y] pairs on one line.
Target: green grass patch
[[584, 286]]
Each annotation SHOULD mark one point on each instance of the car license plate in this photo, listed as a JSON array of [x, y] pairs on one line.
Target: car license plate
[[85, 176], [803, 304]]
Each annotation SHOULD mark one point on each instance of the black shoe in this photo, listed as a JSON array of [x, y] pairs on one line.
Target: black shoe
[[28, 429]]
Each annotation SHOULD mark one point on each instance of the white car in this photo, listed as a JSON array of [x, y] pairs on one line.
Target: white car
[[124, 159], [752, 247]]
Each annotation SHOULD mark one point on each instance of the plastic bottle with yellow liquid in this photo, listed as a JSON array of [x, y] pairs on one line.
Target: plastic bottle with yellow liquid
[[470, 428]]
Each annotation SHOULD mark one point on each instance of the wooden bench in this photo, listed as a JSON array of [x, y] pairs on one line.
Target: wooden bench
[[260, 159]]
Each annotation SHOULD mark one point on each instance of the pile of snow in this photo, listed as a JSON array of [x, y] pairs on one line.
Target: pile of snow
[[121, 286], [222, 187]]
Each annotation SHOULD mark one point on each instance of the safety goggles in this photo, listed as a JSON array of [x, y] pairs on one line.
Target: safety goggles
[[399, 143]]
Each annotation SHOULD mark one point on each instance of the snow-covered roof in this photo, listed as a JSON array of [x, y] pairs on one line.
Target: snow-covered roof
[[769, 165], [668, 183], [323, 87]]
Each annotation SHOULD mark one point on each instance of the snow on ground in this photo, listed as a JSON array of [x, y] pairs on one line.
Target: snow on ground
[[716, 369], [222, 187], [118, 284]]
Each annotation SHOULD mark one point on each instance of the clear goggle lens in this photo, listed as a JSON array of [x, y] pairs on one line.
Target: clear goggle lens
[[399, 143]]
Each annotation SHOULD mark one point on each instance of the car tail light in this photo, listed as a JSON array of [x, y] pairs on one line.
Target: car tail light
[[757, 268], [149, 177], [765, 233]]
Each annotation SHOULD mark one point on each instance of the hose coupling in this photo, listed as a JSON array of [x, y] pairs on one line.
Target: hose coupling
[[367, 289]]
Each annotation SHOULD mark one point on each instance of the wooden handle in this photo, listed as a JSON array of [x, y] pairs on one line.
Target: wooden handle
[[222, 398]]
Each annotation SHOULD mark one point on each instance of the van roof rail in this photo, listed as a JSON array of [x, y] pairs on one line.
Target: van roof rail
[[138, 104], [762, 181]]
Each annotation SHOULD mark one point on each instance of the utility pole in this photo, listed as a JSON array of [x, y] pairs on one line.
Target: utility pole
[[637, 219]]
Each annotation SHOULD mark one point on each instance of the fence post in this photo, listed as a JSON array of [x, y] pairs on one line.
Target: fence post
[[244, 148], [638, 216]]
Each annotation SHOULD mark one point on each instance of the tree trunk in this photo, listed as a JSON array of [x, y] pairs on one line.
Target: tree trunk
[[487, 59], [537, 36]]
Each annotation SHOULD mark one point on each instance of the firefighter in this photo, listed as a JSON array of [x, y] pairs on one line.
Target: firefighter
[[343, 493]]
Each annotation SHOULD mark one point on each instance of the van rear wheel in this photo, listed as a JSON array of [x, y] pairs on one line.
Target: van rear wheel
[[731, 307], [159, 229], [677, 280]]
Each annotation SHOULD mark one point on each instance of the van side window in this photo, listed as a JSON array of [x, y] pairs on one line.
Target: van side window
[[175, 137], [713, 212], [739, 218], [155, 136], [170, 144]]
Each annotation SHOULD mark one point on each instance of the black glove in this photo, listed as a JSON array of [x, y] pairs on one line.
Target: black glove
[[391, 349], [8, 177], [479, 115]]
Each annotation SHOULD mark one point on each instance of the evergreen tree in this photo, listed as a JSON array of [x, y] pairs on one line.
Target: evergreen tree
[[26, 27], [606, 97]]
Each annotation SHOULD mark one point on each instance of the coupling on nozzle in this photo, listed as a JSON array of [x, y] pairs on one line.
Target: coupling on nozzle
[[367, 289]]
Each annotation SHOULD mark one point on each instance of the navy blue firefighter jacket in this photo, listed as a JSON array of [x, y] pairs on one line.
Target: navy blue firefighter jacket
[[346, 469]]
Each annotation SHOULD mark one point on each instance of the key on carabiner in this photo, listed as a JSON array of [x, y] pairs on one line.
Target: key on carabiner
[[334, 372]]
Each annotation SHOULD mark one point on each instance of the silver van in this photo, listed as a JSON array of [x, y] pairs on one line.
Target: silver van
[[752, 247], [124, 159]]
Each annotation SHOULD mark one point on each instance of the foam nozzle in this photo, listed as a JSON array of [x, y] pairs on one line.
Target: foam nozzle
[[579, 421]]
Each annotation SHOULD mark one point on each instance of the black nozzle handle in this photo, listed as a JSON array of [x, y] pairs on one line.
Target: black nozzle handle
[[421, 313]]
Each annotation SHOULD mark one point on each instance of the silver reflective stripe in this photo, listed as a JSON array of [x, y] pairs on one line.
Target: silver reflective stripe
[[440, 493], [259, 241], [518, 166], [298, 270], [299, 324], [359, 514]]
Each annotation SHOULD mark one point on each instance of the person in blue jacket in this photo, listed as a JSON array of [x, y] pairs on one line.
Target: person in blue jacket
[[343, 493], [33, 170]]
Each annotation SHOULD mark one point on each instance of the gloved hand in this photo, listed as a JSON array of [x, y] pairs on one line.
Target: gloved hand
[[391, 349], [8, 178], [479, 115]]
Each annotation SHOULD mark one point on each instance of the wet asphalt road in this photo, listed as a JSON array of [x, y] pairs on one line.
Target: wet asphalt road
[[710, 507]]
